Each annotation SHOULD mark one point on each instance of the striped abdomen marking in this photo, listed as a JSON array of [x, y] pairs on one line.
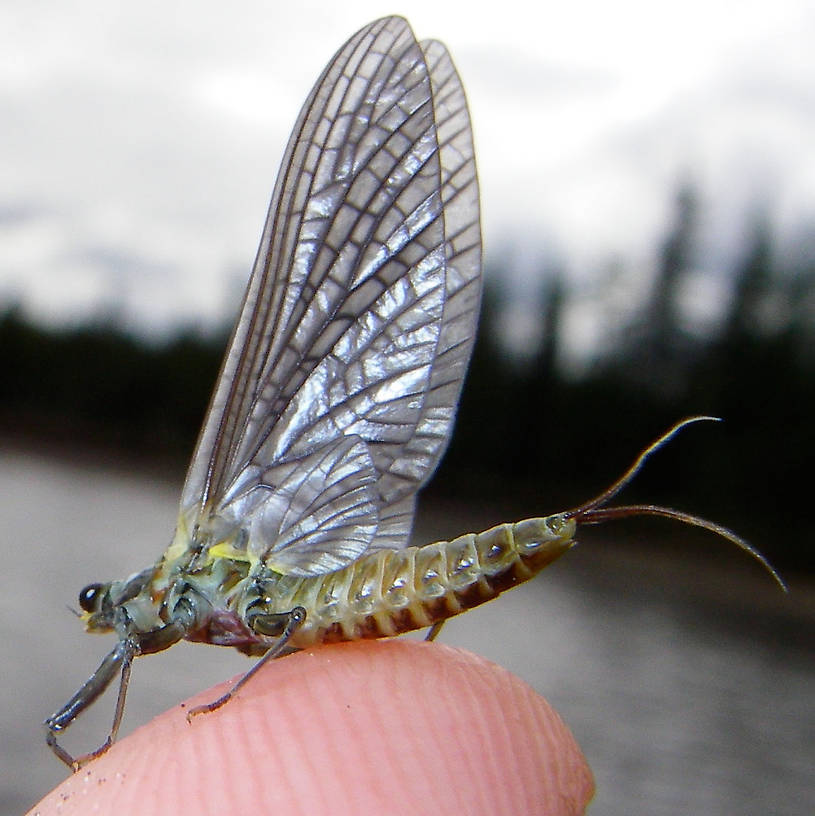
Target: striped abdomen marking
[[393, 591]]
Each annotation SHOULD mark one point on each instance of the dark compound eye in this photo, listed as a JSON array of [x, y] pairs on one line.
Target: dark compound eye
[[89, 596]]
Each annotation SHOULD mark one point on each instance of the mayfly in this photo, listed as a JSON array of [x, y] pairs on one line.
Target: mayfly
[[337, 396]]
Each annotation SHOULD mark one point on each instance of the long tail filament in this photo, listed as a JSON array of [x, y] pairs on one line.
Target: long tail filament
[[595, 511]]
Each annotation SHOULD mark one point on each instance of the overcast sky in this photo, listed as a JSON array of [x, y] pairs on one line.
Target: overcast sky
[[139, 141]]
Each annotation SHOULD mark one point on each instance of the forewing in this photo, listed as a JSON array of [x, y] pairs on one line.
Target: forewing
[[462, 245], [358, 318]]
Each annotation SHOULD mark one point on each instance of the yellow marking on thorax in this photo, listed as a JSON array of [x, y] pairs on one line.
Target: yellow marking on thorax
[[227, 549]]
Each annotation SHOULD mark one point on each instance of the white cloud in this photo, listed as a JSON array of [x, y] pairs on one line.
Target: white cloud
[[152, 131]]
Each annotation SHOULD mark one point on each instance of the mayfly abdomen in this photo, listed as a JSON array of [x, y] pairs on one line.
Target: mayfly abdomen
[[392, 591]]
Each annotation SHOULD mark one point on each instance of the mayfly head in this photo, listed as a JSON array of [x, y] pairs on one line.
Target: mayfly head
[[597, 511], [91, 596], [98, 610], [101, 602]]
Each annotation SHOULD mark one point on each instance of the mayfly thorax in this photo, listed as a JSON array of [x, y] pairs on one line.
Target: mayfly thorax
[[337, 395]]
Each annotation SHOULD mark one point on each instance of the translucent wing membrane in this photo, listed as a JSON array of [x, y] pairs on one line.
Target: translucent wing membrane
[[338, 391]]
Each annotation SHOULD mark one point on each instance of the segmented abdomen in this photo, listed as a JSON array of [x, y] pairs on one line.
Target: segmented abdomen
[[393, 591]]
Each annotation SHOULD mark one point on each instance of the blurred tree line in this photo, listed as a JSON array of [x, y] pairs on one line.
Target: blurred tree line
[[530, 435], [543, 434]]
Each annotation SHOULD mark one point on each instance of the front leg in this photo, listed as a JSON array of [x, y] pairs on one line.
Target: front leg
[[121, 658]]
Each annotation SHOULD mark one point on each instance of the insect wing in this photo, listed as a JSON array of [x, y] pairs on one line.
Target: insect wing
[[338, 391]]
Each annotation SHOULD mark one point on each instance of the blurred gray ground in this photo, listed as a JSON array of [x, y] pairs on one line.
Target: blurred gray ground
[[688, 683]]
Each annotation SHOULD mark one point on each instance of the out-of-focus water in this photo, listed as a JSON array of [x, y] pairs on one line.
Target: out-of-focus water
[[689, 687]]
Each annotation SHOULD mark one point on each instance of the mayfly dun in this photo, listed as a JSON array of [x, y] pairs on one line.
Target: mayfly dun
[[337, 396]]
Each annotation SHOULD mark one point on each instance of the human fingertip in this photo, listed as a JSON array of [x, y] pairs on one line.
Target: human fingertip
[[393, 726]]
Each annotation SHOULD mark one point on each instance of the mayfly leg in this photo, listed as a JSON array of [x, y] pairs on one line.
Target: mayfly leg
[[121, 658], [293, 620], [433, 631]]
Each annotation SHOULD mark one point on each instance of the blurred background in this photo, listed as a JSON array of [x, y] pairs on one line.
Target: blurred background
[[648, 189]]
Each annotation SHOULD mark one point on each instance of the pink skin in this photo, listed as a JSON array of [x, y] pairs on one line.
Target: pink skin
[[378, 727]]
